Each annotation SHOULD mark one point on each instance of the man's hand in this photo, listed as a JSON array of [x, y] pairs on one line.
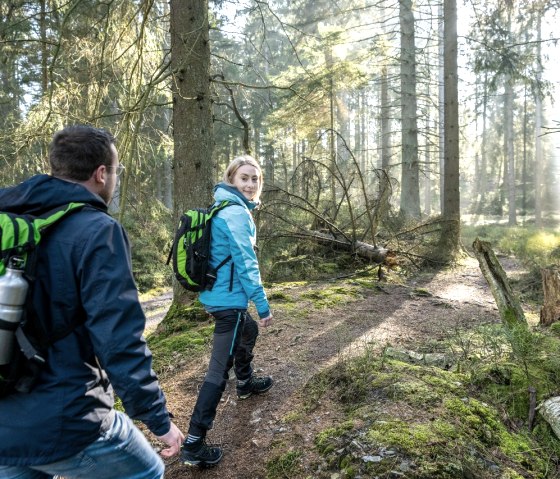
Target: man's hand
[[174, 438], [265, 322]]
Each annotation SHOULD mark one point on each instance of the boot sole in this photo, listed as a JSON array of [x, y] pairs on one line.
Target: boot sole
[[248, 395], [202, 463]]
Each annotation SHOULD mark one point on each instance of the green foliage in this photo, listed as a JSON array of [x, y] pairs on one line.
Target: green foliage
[[535, 246], [149, 227]]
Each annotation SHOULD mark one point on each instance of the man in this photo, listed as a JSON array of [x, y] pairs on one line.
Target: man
[[67, 425]]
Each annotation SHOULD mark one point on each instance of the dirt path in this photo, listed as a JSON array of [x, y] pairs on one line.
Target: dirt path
[[430, 308]]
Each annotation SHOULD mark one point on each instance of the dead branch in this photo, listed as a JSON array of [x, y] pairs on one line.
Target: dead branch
[[238, 115], [508, 305], [363, 250]]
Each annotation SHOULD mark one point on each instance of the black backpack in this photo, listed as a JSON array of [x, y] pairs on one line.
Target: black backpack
[[20, 236], [191, 249]]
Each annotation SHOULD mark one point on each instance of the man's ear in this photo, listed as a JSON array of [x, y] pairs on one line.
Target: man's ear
[[100, 175]]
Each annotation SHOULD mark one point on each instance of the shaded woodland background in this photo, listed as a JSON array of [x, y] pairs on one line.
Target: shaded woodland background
[[379, 124]]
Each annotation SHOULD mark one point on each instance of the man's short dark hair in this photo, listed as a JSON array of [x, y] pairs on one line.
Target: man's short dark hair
[[77, 151]]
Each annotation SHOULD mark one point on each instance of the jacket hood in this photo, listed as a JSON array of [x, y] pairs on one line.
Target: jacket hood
[[42, 193], [223, 192]]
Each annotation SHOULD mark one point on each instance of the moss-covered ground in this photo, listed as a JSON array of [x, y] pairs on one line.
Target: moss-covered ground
[[417, 421]]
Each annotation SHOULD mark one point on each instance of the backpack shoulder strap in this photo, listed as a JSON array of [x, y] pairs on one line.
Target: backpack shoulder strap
[[33, 346], [20, 234]]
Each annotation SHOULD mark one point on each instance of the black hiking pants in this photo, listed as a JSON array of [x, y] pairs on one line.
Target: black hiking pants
[[235, 335]]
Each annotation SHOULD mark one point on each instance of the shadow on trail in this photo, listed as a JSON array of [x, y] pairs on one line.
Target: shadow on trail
[[292, 352]]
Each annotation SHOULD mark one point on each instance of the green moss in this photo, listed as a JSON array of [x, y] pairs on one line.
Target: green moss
[[415, 392], [285, 466], [179, 316], [179, 335], [168, 351], [476, 419], [447, 433], [554, 328], [331, 297], [410, 438], [280, 296], [327, 439]]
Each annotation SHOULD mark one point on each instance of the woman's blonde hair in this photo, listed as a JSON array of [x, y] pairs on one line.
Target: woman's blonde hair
[[238, 162]]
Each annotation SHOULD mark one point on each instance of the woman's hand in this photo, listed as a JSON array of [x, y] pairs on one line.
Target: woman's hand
[[265, 322]]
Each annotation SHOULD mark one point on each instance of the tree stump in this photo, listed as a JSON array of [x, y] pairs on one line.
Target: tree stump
[[550, 311]]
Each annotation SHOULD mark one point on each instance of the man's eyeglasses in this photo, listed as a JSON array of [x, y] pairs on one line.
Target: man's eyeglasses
[[118, 169]]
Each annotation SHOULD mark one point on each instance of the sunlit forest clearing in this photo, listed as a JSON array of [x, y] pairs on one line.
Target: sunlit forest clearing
[[392, 135]]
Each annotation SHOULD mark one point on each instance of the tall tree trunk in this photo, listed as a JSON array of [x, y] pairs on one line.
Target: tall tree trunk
[[509, 172], [539, 163], [483, 182], [410, 189], [385, 122], [358, 149], [343, 122], [193, 165], [441, 104], [451, 198], [524, 168], [384, 185], [510, 153]]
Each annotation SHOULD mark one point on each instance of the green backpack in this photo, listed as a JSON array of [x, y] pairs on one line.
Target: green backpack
[[191, 249], [20, 235]]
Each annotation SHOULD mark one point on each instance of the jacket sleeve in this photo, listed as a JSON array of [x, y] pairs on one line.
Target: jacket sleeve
[[238, 226], [115, 322]]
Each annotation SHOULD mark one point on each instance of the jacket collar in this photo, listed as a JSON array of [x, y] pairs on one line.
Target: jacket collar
[[42, 193], [223, 191]]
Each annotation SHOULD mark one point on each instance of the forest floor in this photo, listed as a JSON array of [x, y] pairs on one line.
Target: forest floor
[[430, 307]]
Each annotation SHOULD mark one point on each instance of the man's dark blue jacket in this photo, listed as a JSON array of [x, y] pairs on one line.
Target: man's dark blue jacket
[[83, 274]]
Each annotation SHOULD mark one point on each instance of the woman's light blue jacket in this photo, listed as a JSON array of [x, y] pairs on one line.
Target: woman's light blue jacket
[[234, 233]]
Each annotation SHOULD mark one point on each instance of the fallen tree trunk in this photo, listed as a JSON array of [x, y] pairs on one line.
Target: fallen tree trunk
[[550, 311], [363, 250], [508, 305], [550, 411]]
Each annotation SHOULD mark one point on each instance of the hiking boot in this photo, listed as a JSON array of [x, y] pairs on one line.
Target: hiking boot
[[201, 454], [252, 386]]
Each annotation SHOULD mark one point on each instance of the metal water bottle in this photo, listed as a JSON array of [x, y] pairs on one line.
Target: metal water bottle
[[13, 291]]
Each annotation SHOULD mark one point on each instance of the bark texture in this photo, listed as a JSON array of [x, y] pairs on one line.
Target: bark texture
[[193, 136], [550, 311], [410, 188], [508, 304]]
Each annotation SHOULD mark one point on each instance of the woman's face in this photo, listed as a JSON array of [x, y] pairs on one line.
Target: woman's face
[[246, 180]]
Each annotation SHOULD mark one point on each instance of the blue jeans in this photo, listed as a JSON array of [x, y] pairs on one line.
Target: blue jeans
[[122, 452]]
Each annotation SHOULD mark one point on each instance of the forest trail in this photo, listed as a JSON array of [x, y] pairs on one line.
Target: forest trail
[[431, 307]]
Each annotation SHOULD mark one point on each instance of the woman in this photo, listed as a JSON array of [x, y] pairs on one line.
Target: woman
[[237, 283]]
